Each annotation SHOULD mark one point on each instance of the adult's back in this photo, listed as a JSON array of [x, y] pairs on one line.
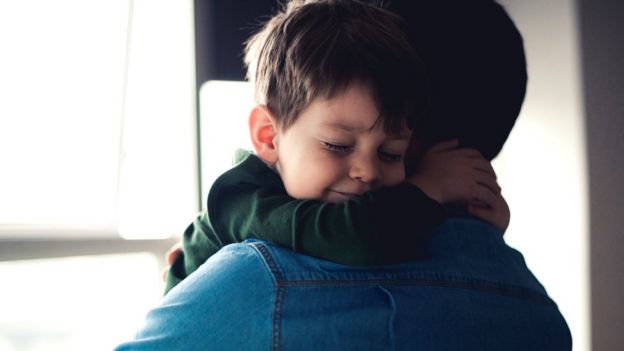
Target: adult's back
[[472, 292]]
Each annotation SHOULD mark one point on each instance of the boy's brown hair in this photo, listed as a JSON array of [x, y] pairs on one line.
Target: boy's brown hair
[[316, 48]]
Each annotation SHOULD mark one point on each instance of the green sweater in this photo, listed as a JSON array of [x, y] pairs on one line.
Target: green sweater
[[384, 226]]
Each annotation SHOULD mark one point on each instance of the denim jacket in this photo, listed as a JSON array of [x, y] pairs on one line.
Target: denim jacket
[[472, 292]]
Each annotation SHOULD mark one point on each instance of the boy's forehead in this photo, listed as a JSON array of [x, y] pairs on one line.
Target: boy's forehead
[[352, 109]]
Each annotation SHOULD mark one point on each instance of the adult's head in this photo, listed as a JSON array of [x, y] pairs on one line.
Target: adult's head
[[475, 57]]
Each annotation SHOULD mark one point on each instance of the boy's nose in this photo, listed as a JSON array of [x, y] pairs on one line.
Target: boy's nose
[[366, 170]]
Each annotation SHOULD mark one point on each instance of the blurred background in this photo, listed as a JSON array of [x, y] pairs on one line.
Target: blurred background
[[115, 117]]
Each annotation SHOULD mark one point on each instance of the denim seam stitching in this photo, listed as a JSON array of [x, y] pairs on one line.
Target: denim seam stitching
[[280, 291], [278, 309], [269, 261], [514, 292]]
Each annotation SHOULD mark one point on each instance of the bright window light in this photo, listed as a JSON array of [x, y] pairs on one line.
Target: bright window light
[[158, 176], [76, 304], [97, 119], [543, 167], [62, 73]]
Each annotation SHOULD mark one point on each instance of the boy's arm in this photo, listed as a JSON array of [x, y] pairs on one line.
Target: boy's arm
[[250, 201], [378, 227]]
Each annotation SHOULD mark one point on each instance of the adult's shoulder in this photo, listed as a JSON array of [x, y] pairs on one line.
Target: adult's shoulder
[[232, 264], [227, 302]]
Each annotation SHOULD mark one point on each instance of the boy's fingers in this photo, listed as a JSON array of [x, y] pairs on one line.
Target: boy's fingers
[[444, 146], [483, 179], [469, 153], [487, 181], [484, 194], [497, 213], [477, 203], [170, 256], [480, 211], [486, 214], [172, 253], [484, 165]]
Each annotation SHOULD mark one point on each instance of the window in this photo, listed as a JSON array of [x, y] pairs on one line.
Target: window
[[97, 126], [77, 303], [62, 70], [97, 144]]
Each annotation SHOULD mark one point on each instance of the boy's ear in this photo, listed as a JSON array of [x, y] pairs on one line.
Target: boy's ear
[[263, 131]]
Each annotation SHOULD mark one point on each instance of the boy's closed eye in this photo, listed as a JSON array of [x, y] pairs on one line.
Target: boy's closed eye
[[386, 155], [393, 150], [338, 148], [390, 156]]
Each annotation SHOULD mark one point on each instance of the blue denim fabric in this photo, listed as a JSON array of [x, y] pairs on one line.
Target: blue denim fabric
[[473, 292]]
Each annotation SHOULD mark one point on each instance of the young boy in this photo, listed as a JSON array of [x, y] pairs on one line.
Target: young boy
[[338, 88]]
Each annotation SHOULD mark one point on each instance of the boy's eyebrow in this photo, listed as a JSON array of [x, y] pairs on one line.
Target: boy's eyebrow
[[347, 127], [352, 128]]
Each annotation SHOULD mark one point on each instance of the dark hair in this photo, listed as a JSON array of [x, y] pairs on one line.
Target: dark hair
[[313, 49], [475, 56]]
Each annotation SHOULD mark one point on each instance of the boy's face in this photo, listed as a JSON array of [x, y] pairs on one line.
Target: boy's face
[[335, 150]]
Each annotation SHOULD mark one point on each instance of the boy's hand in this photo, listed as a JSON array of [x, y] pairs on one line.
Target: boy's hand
[[170, 256], [451, 175], [496, 213]]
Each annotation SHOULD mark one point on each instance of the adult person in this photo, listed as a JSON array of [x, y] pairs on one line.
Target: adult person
[[471, 292]]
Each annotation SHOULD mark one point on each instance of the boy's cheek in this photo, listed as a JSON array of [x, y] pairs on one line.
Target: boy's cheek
[[396, 175]]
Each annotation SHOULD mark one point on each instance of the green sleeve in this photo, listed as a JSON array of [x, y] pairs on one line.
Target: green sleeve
[[199, 242], [383, 226]]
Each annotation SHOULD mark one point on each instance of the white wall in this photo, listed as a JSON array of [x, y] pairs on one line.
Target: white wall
[[542, 168]]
